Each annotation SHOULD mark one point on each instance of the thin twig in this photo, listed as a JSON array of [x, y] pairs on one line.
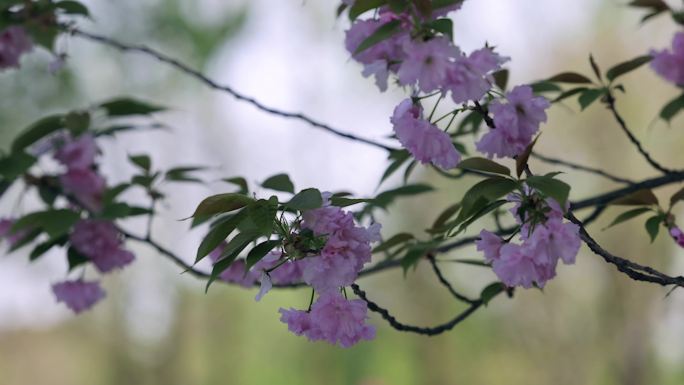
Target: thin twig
[[224, 88], [580, 167], [445, 283]]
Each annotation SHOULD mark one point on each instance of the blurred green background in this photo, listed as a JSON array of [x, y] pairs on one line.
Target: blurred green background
[[591, 325]]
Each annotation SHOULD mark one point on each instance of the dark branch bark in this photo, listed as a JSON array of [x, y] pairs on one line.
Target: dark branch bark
[[224, 88], [445, 283]]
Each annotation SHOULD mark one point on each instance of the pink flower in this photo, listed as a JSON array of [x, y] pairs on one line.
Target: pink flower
[[677, 235], [346, 250], [235, 273], [333, 319], [515, 266], [468, 77], [425, 141], [670, 65], [14, 42], [342, 321], [101, 242], [266, 286], [490, 244], [516, 123], [78, 295], [426, 62], [78, 154], [86, 185], [285, 273]]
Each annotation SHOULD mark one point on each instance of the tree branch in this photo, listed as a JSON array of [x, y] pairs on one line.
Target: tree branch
[[610, 102], [445, 283], [224, 88], [428, 331], [580, 167]]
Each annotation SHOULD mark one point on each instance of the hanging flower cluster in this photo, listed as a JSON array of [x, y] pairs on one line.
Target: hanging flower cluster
[[670, 64], [545, 239]]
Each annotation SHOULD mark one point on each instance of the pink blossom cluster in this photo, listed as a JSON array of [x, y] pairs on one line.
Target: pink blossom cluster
[[332, 317], [78, 295], [101, 242], [14, 42], [677, 234], [515, 122], [532, 262], [81, 178], [425, 141], [670, 64]]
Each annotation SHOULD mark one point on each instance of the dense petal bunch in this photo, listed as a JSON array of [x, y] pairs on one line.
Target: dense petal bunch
[[81, 179], [469, 77], [427, 63], [14, 42], [677, 234], [101, 242], [532, 262], [332, 318], [670, 64], [425, 141], [516, 123], [78, 295], [347, 249]]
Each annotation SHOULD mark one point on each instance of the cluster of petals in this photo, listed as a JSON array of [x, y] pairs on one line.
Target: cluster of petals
[[677, 234], [101, 242], [14, 42], [425, 141], [81, 179], [78, 295], [515, 122], [347, 249], [333, 319], [532, 262], [670, 64]]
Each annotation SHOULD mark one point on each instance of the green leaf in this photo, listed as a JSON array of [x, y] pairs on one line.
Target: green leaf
[[240, 182], [37, 131], [482, 210], [75, 258], [569, 93], [485, 165], [77, 122], [482, 193], [26, 239], [182, 174], [444, 217], [305, 200], [55, 222], [501, 78], [626, 67], [43, 247], [386, 31], [553, 188], [444, 26], [259, 251], [491, 291], [229, 254], [644, 197], [436, 4], [385, 198], [652, 226], [72, 8], [361, 6], [142, 161], [393, 241], [280, 182], [541, 87], [116, 210], [587, 97], [654, 4], [414, 254], [222, 203], [260, 217], [595, 67], [569, 77], [676, 197], [424, 7], [218, 233], [627, 215], [128, 106], [15, 165], [398, 158], [672, 108], [344, 201]]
